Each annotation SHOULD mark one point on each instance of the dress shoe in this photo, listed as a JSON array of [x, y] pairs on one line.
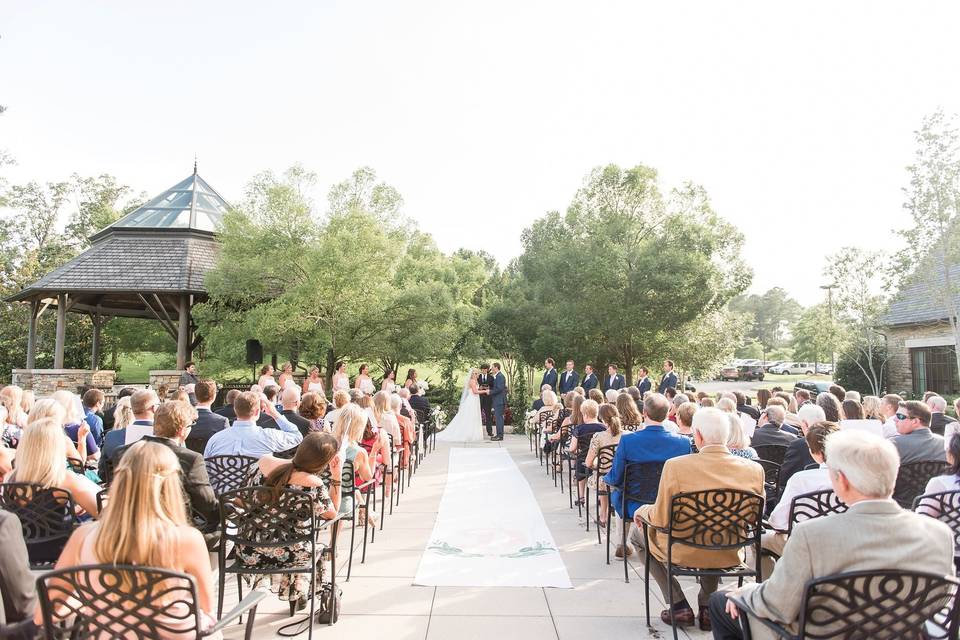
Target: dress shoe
[[684, 617], [703, 619], [620, 548]]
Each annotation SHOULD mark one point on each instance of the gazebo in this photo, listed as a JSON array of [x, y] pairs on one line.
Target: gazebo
[[149, 264]]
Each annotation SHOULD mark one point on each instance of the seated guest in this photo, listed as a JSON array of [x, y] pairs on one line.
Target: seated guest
[[108, 413], [630, 416], [408, 434], [635, 393], [874, 534], [950, 481], [744, 406], [712, 468], [539, 402], [144, 404], [290, 401], [871, 409], [771, 431], [802, 396], [831, 407], [75, 426], [48, 408], [313, 408], [420, 405], [684, 419], [145, 523], [610, 418], [227, 409], [707, 402], [208, 422], [11, 397], [246, 438], [838, 392], [170, 428], [315, 455], [573, 404], [93, 400], [17, 583], [851, 395], [801, 482], [938, 418], [916, 442], [791, 421], [41, 459], [611, 395], [589, 411], [652, 444], [738, 442], [952, 428], [851, 410], [352, 423], [341, 398], [797, 457]]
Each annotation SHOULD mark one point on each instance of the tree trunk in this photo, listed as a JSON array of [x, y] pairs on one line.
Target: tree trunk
[[331, 361], [628, 365]]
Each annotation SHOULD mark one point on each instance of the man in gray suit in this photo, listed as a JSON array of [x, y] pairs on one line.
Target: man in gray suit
[[875, 534], [915, 441], [16, 582]]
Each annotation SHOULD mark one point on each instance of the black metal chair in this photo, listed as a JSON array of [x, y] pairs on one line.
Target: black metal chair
[[641, 482], [76, 465], [632, 428], [229, 472], [349, 490], [603, 461], [771, 452], [945, 507], [251, 517], [580, 472], [807, 506], [287, 454], [912, 479], [715, 519], [47, 516], [123, 601], [771, 482], [880, 605]]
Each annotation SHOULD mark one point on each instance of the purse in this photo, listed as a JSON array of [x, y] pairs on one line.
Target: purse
[[325, 610]]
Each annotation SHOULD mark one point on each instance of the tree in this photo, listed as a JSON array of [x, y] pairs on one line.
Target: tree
[[706, 342], [769, 315], [812, 336]]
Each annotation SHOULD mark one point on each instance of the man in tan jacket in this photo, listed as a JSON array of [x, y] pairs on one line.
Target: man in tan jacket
[[714, 467], [875, 534]]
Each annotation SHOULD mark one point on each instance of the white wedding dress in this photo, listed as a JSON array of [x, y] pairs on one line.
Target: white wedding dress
[[467, 425]]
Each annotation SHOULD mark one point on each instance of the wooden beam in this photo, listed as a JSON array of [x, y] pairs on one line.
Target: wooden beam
[[164, 309], [32, 334], [169, 328], [183, 331], [61, 331]]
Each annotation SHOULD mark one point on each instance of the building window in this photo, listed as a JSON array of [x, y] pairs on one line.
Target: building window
[[935, 369]]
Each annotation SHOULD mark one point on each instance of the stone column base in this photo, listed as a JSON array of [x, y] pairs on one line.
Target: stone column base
[[44, 382]]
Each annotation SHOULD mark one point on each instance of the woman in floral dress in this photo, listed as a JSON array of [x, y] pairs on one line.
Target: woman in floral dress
[[610, 418], [315, 455]]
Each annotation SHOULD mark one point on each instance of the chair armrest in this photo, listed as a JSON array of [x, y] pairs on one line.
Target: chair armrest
[[773, 626], [366, 484], [323, 523], [637, 516], [251, 601]]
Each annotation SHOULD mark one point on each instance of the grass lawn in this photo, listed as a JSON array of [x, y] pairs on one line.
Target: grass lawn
[[771, 380]]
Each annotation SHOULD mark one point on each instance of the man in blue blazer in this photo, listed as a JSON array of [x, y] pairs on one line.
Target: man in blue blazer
[[613, 380], [569, 379], [669, 379], [653, 444], [644, 384], [498, 394], [589, 378], [549, 375]]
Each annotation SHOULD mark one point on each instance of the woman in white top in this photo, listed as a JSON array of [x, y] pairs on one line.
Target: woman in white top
[[266, 377], [313, 382], [950, 481], [389, 385], [364, 382], [340, 379], [286, 376], [11, 396]]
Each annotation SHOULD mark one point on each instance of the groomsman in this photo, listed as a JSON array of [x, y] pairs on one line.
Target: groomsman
[[644, 384], [569, 379], [669, 379], [589, 378], [485, 381], [550, 375], [613, 380]]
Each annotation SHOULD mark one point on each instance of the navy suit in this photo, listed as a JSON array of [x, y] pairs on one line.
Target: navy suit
[[644, 385], [569, 381], [498, 393], [652, 444], [590, 382], [618, 383], [550, 378], [668, 381]]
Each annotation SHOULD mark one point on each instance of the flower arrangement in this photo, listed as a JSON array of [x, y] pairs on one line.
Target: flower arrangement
[[439, 417]]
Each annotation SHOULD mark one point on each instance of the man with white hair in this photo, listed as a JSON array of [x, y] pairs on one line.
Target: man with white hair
[[538, 403], [853, 395], [874, 534], [797, 456], [611, 395], [938, 419], [713, 467]]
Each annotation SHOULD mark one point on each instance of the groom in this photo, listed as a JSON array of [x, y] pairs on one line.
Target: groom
[[498, 396]]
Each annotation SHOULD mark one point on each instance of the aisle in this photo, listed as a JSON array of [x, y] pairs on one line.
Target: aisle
[[490, 531], [381, 601]]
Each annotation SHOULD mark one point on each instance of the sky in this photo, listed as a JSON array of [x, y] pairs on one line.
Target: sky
[[797, 117]]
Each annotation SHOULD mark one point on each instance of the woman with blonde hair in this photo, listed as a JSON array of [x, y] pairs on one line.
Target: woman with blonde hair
[[75, 426], [352, 422], [610, 418], [123, 414], [313, 383], [145, 523], [48, 408], [871, 408], [408, 434], [738, 441], [629, 415], [11, 397], [29, 399]]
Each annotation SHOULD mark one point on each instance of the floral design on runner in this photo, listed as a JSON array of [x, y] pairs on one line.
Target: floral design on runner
[[446, 549]]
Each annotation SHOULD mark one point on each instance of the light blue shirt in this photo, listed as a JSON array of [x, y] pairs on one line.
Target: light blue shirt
[[246, 438]]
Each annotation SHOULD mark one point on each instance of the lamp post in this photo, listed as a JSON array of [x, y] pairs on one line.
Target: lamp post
[[833, 359]]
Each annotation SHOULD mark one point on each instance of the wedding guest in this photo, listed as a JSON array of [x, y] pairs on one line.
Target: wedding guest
[[408, 434], [630, 417], [387, 422], [712, 468], [389, 383], [286, 375], [421, 406], [208, 422], [684, 419], [266, 377], [364, 382], [596, 395], [707, 402], [11, 397], [873, 534], [108, 414], [738, 442], [290, 401], [916, 442], [763, 396], [143, 404], [17, 583], [797, 456], [573, 403], [352, 423], [227, 409], [853, 395], [610, 418], [871, 408], [589, 412], [27, 400], [938, 418], [611, 396], [830, 405], [48, 408], [145, 523], [539, 402], [313, 409], [75, 427], [952, 428], [837, 392], [341, 381], [313, 383], [246, 438], [802, 397], [851, 410], [341, 399], [316, 455], [950, 481], [93, 400]]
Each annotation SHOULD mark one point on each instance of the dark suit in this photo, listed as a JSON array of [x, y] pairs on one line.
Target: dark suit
[[644, 385], [938, 421], [302, 423], [771, 433], [795, 459], [668, 381], [421, 406], [569, 380], [17, 584], [653, 444], [750, 410], [498, 394], [196, 483], [207, 424], [538, 404], [266, 422], [550, 378], [485, 381], [590, 382], [227, 412], [618, 382]]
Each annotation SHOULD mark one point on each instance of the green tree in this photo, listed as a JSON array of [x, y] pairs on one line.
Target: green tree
[[770, 316], [813, 339]]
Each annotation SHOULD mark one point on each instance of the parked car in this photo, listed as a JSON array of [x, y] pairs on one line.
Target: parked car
[[730, 372], [743, 372], [824, 369], [769, 364], [815, 387], [794, 368]]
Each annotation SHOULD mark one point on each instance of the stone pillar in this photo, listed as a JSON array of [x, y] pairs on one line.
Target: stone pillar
[[61, 331], [32, 335], [44, 382]]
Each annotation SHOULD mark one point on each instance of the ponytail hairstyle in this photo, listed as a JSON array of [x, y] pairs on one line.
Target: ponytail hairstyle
[[611, 417]]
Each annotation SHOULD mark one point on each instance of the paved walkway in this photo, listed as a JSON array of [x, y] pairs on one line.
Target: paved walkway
[[381, 602]]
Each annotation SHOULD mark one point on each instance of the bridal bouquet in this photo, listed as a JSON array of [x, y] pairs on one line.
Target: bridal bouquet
[[439, 417]]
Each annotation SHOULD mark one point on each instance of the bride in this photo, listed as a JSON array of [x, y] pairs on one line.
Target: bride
[[467, 425]]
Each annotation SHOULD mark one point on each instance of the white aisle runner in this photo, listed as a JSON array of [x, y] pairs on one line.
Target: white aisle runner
[[490, 531]]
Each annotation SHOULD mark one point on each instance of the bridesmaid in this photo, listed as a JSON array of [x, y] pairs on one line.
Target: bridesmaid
[[341, 381], [266, 377], [364, 382], [286, 375], [389, 385], [411, 378], [313, 383]]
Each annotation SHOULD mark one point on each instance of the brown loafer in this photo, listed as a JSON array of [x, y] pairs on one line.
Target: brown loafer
[[684, 617], [703, 619], [619, 552]]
